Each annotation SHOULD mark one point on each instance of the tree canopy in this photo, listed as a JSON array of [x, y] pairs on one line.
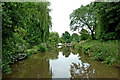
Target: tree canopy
[[83, 17], [66, 37], [108, 26], [54, 36], [84, 34], [75, 37], [101, 19]]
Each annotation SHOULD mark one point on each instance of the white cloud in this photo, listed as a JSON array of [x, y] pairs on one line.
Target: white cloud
[[61, 9]]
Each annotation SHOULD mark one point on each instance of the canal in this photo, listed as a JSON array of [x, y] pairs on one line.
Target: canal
[[61, 63]]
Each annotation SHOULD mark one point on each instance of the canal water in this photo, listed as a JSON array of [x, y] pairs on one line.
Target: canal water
[[61, 63]]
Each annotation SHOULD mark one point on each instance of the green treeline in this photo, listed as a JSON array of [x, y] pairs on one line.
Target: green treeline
[[100, 27], [75, 37], [67, 38], [24, 25]]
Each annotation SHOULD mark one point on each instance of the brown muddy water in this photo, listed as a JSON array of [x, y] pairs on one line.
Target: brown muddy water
[[62, 63]]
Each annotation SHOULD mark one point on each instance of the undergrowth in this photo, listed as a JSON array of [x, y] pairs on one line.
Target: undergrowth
[[107, 52]]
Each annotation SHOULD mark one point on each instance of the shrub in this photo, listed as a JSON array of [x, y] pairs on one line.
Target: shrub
[[105, 51], [85, 48], [101, 50], [73, 44], [79, 47], [29, 52], [42, 48], [51, 44], [6, 68]]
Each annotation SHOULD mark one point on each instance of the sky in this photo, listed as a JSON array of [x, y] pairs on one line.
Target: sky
[[61, 9]]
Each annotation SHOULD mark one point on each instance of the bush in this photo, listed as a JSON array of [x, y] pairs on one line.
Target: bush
[[6, 68], [42, 48], [29, 52], [73, 44], [105, 51], [85, 48], [77, 46], [51, 44], [100, 50]]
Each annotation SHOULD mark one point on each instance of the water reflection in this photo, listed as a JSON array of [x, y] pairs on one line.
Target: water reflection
[[61, 63], [59, 46], [61, 66], [66, 51], [37, 66], [82, 70]]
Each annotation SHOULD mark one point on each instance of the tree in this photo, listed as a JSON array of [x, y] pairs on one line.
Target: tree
[[108, 16], [24, 25], [84, 17], [75, 37], [66, 37], [84, 34], [54, 36]]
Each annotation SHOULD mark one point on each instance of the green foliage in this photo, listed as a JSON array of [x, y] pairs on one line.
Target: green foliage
[[66, 37], [108, 16], [42, 48], [30, 52], [104, 51], [84, 17], [76, 46], [6, 68], [107, 52], [85, 48], [101, 19], [54, 36], [53, 40], [75, 37], [24, 25], [51, 44], [73, 44], [61, 40], [84, 34]]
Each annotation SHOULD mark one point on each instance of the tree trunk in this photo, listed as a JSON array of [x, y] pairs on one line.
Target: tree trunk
[[92, 35]]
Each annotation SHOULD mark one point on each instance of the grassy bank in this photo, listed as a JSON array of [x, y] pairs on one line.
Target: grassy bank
[[107, 52]]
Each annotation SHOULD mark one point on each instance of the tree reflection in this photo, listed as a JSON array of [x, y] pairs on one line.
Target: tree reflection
[[66, 51], [37, 66], [52, 55], [81, 70]]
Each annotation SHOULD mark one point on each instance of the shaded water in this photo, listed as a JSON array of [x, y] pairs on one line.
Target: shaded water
[[62, 63]]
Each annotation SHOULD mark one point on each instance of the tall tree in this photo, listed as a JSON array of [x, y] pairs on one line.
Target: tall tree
[[83, 17]]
